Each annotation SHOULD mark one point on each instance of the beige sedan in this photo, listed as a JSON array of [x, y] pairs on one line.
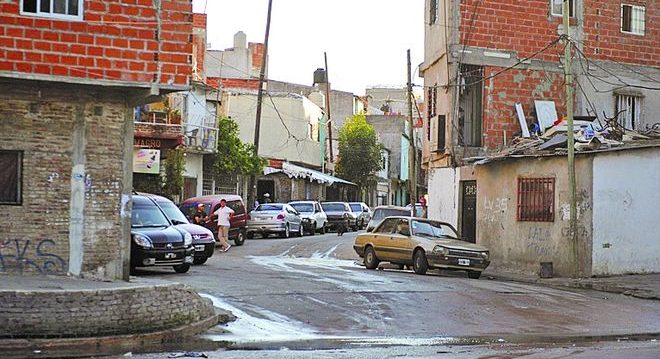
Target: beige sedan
[[422, 243]]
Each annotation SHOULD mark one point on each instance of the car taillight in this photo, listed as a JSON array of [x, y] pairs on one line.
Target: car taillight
[[280, 216]]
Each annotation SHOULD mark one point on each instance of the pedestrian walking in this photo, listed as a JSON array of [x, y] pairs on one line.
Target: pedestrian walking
[[223, 214]]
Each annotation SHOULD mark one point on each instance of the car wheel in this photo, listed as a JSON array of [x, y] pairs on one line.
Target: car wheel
[[182, 268], [200, 260], [420, 264], [301, 230], [250, 235], [286, 233], [474, 275], [312, 230], [370, 259], [240, 238]]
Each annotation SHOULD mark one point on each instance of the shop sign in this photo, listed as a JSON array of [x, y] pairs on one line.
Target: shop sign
[[146, 161]]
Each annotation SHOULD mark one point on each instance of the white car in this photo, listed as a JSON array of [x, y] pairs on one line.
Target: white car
[[363, 213], [313, 217], [274, 218]]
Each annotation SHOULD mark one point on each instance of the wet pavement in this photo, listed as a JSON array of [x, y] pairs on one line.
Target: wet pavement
[[311, 294]]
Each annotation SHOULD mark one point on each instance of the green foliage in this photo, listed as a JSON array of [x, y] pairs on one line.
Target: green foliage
[[174, 168], [234, 157], [359, 152]]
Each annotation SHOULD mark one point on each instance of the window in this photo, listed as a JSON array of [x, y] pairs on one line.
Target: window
[[632, 19], [629, 111], [11, 178], [64, 9], [470, 108], [556, 7], [433, 12], [536, 199], [441, 132], [432, 107]]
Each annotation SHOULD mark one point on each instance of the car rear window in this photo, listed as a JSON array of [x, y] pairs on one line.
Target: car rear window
[[189, 209], [303, 207], [269, 207], [381, 213], [237, 206], [356, 207], [333, 207]]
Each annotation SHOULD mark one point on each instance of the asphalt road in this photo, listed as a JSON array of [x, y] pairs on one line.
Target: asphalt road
[[311, 293]]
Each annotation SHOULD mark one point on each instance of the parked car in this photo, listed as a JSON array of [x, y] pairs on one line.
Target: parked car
[[277, 218], [238, 228], [422, 243], [155, 241], [339, 213], [203, 240], [381, 212], [363, 213], [313, 217]]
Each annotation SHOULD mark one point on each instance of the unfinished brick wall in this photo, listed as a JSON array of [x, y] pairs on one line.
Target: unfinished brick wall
[[39, 120], [116, 40], [199, 44]]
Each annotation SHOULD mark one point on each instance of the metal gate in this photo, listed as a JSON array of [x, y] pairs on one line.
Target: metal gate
[[469, 210]]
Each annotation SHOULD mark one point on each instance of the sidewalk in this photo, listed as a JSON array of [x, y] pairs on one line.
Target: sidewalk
[[50, 314], [645, 286]]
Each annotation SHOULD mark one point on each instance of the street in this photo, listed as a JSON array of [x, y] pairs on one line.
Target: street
[[311, 293]]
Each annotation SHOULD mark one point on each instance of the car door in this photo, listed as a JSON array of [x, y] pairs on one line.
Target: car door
[[293, 218], [382, 235], [401, 242]]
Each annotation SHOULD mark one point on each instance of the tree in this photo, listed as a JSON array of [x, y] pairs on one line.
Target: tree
[[233, 156], [359, 152], [174, 168]]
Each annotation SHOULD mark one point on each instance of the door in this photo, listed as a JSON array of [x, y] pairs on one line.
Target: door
[[189, 187], [469, 211], [263, 187]]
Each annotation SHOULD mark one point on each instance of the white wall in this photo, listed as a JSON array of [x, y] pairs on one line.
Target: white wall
[[443, 195], [626, 213], [194, 169]]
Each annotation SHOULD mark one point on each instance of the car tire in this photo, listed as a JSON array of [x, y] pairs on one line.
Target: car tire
[[250, 235], [474, 275], [286, 233], [240, 238], [420, 264], [312, 229], [182, 268], [200, 260], [301, 230], [370, 259]]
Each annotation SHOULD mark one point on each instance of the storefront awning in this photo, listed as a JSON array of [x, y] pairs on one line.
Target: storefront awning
[[294, 171]]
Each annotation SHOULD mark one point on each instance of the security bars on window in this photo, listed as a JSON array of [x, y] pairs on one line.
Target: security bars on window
[[536, 199]]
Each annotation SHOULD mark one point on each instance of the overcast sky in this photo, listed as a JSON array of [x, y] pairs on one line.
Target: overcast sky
[[366, 40]]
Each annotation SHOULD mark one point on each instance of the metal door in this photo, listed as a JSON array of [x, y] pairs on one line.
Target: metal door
[[469, 211]]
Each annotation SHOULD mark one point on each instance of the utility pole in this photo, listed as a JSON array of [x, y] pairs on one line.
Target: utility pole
[[411, 149], [260, 95], [327, 105], [568, 75]]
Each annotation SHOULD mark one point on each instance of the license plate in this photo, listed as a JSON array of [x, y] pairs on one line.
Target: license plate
[[463, 262], [170, 255], [199, 248]]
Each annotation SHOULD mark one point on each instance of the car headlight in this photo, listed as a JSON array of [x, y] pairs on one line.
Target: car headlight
[[484, 255], [440, 250], [142, 241], [187, 239]]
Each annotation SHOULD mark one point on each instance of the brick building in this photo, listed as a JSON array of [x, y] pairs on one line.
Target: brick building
[[483, 57], [70, 77]]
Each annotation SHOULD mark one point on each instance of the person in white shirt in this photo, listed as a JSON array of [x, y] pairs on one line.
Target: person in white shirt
[[223, 214]]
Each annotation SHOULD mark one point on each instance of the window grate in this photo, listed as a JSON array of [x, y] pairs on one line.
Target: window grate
[[536, 199]]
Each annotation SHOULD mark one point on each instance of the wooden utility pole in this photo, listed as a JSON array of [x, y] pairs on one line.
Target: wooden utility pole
[[260, 95], [327, 105], [568, 75], [411, 149]]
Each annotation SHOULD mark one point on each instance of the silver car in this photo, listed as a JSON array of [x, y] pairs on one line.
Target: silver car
[[278, 218], [385, 211], [313, 217], [362, 211]]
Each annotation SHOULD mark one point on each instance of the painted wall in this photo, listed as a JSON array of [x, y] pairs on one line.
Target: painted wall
[[443, 194], [626, 231], [520, 246], [194, 169]]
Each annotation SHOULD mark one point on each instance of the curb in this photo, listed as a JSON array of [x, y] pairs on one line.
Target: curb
[[108, 345], [633, 292]]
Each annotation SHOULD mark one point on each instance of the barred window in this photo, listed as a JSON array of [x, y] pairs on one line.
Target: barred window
[[536, 199], [11, 180], [632, 19]]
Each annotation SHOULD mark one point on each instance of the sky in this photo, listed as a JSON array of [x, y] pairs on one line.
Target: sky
[[365, 40]]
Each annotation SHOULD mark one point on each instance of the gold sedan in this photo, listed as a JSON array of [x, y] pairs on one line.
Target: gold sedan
[[422, 243]]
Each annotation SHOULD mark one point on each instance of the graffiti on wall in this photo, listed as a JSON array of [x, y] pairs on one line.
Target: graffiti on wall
[[493, 208], [538, 241], [27, 255]]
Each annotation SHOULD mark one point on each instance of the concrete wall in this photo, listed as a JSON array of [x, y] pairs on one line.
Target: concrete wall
[[77, 148], [626, 228], [286, 138], [443, 194], [519, 246], [194, 168]]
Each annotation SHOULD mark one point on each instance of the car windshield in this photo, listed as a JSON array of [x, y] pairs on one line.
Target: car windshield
[[148, 216], [189, 209], [303, 207], [356, 207], [433, 229], [381, 213], [173, 212], [268, 207], [333, 207]]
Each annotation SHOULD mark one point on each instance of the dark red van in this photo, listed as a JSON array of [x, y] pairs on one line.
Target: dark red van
[[238, 228]]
